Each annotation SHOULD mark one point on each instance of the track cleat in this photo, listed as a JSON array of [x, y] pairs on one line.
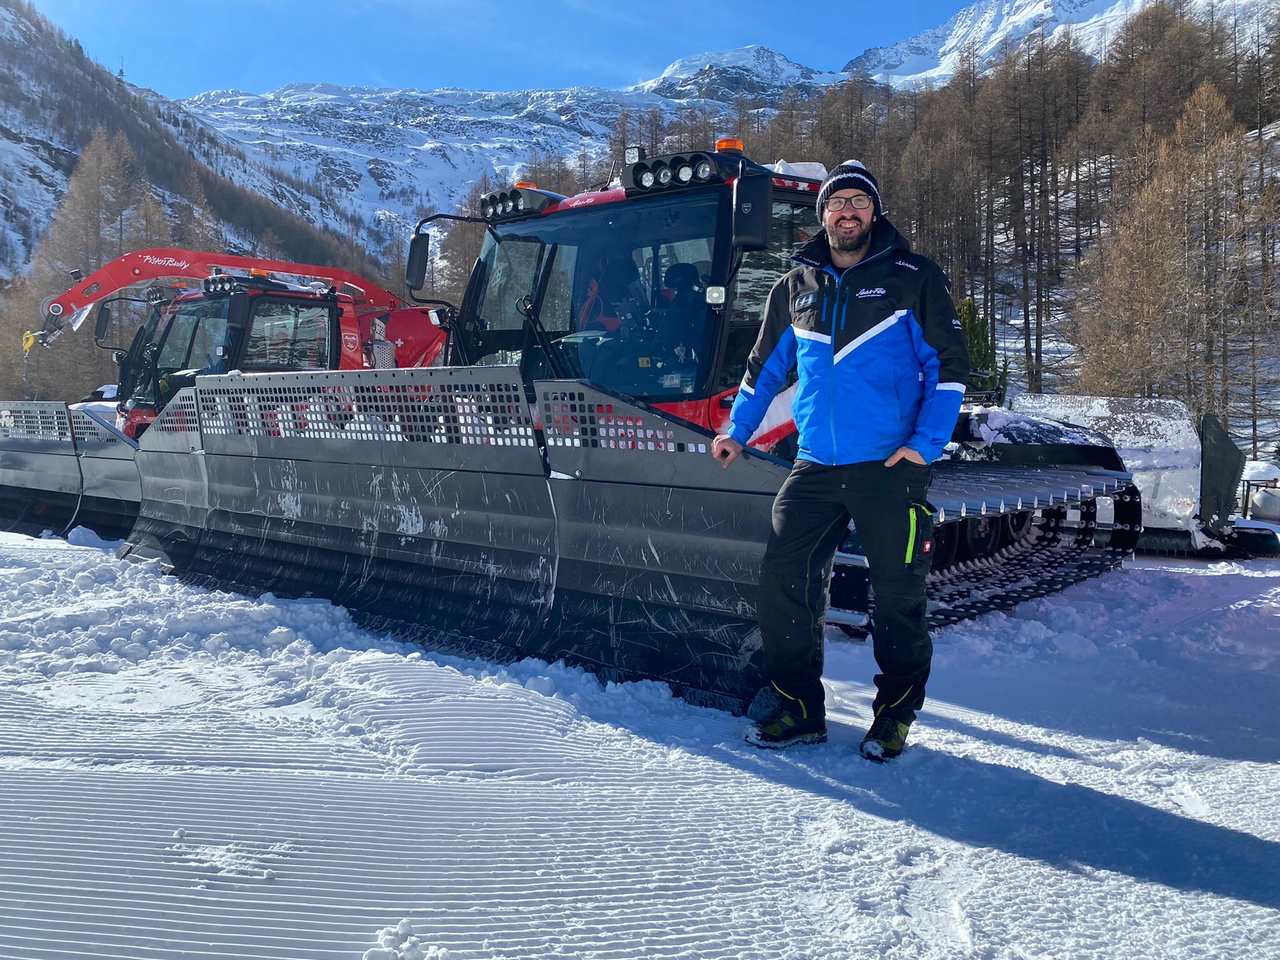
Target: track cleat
[[885, 740]]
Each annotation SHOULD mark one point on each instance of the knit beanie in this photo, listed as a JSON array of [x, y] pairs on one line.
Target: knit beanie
[[850, 175]]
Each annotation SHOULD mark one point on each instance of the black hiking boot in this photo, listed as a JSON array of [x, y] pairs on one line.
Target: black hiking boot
[[885, 740], [783, 722]]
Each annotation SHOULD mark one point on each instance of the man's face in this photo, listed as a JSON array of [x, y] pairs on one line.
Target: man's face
[[848, 229]]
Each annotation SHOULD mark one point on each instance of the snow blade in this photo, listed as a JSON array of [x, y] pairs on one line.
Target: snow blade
[[462, 509], [39, 475], [60, 467], [420, 500], [455, 507]]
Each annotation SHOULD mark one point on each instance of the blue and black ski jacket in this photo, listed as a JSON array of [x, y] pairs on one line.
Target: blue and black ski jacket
[[878, 351]]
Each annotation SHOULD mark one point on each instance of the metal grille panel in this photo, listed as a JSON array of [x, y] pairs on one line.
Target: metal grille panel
[[179, 416], [473, 408], [35, 420], [177, 429], [571, 420], [89, 431], [593, 435]]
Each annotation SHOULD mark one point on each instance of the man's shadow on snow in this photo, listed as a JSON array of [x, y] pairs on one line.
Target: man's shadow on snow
[[1211, 712], [1066, 825]]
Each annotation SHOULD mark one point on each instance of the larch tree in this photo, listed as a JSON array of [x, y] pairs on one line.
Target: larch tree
[[89, 229]]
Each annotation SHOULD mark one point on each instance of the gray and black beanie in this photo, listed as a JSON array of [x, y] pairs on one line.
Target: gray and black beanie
[[850, 175]]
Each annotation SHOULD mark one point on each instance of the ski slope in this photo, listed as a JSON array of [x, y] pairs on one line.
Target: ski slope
[[194, 774]]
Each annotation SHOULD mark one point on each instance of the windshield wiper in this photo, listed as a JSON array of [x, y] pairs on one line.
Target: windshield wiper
[[529, 305]]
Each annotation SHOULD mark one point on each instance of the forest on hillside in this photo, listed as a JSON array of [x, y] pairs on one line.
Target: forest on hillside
[[1113, 221]]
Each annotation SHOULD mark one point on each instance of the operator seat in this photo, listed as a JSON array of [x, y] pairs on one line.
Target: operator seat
[[683, 281], [680, 324]]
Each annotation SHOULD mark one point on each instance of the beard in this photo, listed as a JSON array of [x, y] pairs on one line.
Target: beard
[[855, 242]]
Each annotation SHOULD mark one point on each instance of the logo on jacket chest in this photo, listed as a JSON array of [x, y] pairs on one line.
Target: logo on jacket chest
[[868, 293], [804, 301]]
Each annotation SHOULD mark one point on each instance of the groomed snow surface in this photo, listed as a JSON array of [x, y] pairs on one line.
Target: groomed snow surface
[[194, 774]]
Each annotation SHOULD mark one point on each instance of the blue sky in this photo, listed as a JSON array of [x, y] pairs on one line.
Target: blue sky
[[183, 49]]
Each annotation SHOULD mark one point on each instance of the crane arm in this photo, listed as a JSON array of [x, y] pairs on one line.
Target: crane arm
[[154, 263]]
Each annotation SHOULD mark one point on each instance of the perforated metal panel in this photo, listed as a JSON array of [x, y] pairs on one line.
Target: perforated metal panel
[[93, 438], [450, 418], [177, 429], [592, 435], [39, 472], [32, 420], [570, 420], [383, 354]]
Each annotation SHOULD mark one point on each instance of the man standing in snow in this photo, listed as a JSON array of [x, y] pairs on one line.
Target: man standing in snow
[[872, 334]]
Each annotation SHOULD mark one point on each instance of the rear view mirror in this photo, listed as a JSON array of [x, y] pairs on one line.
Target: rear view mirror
[[752, 208], [102, 326], [415, 271]]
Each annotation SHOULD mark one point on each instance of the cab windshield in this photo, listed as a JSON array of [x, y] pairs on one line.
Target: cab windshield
[[193, 342], [614, 295]]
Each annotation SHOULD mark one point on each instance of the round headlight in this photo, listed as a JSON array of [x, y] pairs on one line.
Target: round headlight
[[647, 179], [486, 211], [664, 176], [703, 170], [506, 204], [685, 173]]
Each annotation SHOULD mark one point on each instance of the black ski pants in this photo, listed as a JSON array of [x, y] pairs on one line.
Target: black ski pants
[[810, 519]]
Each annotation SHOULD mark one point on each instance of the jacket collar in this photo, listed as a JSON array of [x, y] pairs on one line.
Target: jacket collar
[[884, 237]]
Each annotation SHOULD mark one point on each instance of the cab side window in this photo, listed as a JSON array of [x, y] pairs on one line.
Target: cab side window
[[791, 226], [287, 335]]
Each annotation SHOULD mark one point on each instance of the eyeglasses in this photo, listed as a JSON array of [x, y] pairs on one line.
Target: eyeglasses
[[860, 202]]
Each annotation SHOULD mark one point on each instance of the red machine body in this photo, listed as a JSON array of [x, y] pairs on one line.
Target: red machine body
[[417, 337], [372, 321]]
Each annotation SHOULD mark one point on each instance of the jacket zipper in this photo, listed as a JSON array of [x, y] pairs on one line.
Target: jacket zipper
[[835, 379]]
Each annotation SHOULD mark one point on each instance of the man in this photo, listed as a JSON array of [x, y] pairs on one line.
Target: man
[[872, 334]]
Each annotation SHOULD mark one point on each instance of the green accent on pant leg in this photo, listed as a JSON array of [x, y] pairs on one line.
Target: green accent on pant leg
[[804, 711], [890, 706], [911, 533]]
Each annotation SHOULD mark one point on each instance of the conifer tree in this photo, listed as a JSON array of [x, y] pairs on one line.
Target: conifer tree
[[87, 231]]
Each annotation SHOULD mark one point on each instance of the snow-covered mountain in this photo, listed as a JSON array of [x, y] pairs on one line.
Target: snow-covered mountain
[[53, 98], [932, 57], [366, 163], [389, 155], [751, 71]]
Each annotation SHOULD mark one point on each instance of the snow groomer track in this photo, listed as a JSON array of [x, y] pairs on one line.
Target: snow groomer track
[[444, 505]]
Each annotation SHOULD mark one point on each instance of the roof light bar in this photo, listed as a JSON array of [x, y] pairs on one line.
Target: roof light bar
[[520, 201], [679, 170], [220, 283]]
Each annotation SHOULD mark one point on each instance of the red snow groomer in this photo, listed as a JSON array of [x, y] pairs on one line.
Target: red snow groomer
[[205, 313], [548, 491], [212, 313]]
